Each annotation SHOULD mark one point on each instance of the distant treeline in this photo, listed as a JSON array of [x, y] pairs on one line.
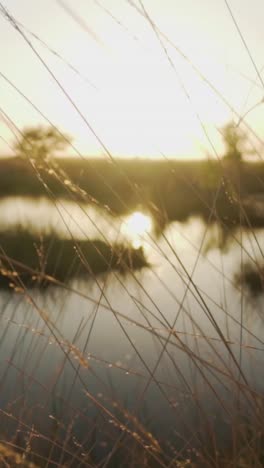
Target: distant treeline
[[170, 190]]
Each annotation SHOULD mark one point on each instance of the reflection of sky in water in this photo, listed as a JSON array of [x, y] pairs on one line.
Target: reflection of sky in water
[[112, 321], [77, 220], [65, 218], [135, 227]]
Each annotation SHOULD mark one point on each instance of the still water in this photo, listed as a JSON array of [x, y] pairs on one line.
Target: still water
[[147, 341]]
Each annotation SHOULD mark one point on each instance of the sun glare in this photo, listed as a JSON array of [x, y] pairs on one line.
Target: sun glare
[[136, 226], [124, 87]]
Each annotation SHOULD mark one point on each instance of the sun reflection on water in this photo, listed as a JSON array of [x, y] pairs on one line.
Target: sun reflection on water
[[135, 227]]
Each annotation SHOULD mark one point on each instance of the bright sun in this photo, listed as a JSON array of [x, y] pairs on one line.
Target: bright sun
[[135, 226]]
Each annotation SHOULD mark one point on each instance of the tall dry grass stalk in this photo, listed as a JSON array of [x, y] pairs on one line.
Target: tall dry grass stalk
[[62, 403]]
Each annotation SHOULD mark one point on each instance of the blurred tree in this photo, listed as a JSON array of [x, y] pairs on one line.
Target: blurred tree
[[234, 139], [41, 143]]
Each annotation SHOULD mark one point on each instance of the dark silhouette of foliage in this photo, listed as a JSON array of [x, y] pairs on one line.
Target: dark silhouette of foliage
[[40, 143], [235, 140]]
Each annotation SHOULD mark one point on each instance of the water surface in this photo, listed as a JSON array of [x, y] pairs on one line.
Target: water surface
[[147, 341]]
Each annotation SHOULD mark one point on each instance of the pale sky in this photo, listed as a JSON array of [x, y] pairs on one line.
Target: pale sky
[[133, 88]]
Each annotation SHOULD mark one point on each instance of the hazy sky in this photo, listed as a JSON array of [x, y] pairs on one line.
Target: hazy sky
[[134, 88]]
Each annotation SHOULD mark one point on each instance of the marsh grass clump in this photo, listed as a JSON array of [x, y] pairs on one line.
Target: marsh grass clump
[[9, 456], [34, 258], [251, 277]]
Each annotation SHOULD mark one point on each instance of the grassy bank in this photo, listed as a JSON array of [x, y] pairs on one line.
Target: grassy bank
[[29, 259]]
